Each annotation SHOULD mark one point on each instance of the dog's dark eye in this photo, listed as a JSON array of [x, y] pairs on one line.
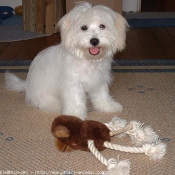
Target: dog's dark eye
[[84, 28], [102, 26]]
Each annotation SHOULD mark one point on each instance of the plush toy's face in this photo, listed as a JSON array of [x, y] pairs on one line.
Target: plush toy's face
[[71, 133]]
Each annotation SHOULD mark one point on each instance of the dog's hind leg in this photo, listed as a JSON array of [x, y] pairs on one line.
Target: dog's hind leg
[[46, 102]]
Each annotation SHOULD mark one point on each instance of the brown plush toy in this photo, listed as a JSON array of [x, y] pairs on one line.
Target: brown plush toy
[[72, 133]]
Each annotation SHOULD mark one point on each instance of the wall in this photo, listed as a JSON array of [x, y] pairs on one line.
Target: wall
[[128, 5], [116, 5], [10, 3]]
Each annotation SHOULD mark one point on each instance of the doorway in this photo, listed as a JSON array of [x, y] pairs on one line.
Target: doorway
[[158, 6]]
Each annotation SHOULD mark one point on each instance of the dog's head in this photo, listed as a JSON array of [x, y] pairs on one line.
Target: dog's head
[[93, 32]]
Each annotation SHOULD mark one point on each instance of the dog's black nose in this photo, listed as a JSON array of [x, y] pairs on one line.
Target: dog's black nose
[[94, 41]]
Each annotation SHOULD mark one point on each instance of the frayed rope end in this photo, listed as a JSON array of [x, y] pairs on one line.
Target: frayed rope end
[[121, 167]]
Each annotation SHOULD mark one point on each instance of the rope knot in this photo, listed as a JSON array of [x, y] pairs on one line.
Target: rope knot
[[141, 135], [155, 151]]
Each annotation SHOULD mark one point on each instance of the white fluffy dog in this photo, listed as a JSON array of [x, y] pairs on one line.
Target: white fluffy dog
[[61, 77]]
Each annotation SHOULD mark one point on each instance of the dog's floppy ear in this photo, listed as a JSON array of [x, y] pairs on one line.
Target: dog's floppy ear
[[122, 27], [61, 132], [67, 20], [64, 23]]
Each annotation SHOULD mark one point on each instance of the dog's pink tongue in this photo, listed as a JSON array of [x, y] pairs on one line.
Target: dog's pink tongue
[[94, 50]]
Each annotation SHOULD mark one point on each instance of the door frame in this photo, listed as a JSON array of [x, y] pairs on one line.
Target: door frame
[[131, 5]]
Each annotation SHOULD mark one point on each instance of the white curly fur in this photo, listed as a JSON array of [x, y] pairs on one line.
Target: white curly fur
[[61, 76]]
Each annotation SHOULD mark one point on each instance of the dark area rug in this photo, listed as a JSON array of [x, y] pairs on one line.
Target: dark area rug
[[152, 22], [11, 29]]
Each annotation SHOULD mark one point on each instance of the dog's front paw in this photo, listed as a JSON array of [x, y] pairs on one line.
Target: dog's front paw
[[79, 112], [109, 106], [113, 107]]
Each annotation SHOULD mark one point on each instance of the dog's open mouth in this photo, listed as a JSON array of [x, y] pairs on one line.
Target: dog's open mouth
[[94, 50]]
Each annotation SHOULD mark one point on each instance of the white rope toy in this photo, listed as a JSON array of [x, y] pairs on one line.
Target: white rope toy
[[144, 137], [113, 166]]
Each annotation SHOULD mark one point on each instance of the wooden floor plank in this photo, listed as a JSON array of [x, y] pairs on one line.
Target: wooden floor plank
[[171, 32], [30, 49], [3, 46], [151, 46], [141, 43], [50, 40], [166, 42], [134, 46], [12, 50], [123, 55]]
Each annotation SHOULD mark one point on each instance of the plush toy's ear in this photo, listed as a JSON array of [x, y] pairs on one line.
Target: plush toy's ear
[[61, 132], [122, 27]]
